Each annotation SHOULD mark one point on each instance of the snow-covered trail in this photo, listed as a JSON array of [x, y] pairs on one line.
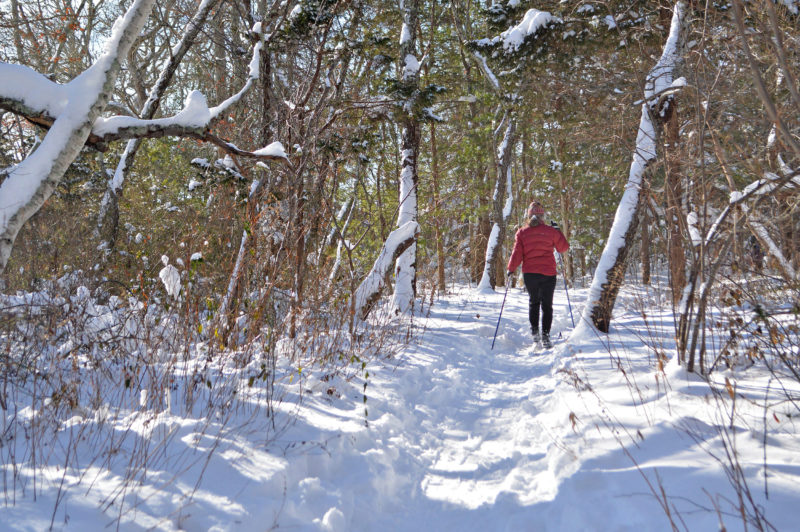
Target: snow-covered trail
[[476, 410], [458, 432], [465, 438]]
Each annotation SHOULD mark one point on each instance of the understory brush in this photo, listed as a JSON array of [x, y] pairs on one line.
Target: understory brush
[[103, 392], [746, 402]]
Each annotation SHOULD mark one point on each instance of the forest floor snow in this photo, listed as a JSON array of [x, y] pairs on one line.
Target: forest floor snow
[[600, 435]]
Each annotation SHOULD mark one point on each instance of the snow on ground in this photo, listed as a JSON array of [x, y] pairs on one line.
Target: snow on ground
[[457, 437]]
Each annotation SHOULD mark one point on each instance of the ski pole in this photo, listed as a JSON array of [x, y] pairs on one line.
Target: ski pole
[[501, 314], [564, 274]]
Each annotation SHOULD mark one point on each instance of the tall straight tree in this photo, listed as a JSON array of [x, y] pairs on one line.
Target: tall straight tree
[[502, 200], [405, 288], [511, 45], [673, 192]]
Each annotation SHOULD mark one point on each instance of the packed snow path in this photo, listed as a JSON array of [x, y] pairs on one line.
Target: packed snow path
[[465, 438], [458, 432], [475, 425]]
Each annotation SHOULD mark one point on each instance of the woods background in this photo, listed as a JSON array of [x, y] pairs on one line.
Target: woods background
[[478, 117]]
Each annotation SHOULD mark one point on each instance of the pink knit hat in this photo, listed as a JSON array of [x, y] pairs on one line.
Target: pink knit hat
[[535, 209]]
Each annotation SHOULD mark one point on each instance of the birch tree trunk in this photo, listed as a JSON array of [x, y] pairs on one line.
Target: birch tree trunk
[[502, 201], [610, 270], [32, 182], [405, 288]]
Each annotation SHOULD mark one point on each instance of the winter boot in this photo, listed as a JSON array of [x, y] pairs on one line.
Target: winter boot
[[546, 343], [536, 337]]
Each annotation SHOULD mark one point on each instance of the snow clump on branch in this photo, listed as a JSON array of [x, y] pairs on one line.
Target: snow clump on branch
[[515, 36], [275, 149], [411, 67]]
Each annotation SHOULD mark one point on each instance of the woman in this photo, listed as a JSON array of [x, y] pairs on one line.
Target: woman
[[533, 247]]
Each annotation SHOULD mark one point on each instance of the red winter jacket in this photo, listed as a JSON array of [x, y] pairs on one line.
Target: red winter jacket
[[533, 247]]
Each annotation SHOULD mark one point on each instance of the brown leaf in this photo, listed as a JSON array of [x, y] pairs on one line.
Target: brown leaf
[[729, 387], [574, 419]]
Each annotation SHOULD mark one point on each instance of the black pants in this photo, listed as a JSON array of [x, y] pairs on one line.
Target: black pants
[[540, 289]]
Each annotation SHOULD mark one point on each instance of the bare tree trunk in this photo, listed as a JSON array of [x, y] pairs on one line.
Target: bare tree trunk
[[566, 222], [440, 258], [435, 177], [611, 268], [15, 21], [600, 314], [405, 288], [644, 252], [673, 189], [299, 258], [700, 318], [480, 234], [226, 314]]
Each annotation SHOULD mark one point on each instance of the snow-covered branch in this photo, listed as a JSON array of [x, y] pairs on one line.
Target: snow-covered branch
[[660, 82], [27, 92], [487, 71], [32, 181], [370, 288], [515, 36], [769, 183], [41, 101]]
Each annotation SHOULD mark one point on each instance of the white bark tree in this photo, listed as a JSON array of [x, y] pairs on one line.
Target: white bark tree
[[405, 288], [610, 269]]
